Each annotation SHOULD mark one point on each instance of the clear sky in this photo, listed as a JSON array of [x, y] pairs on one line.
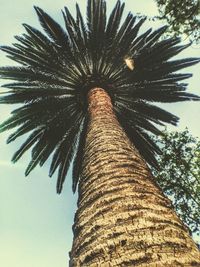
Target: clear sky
[[35, 222]]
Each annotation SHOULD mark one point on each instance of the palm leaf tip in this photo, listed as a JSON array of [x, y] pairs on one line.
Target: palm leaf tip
[[39, 11], [189, 97]]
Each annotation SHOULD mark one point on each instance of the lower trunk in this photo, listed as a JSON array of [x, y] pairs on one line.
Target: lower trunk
[[123, 219]]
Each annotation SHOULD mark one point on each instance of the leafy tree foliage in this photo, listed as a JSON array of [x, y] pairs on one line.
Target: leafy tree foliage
[[182, 16], [179, 175]]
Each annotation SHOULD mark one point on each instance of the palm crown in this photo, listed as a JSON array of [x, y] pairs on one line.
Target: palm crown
[[58, 68]]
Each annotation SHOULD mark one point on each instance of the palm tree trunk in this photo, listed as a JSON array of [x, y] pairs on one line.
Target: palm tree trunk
[[123, 218]]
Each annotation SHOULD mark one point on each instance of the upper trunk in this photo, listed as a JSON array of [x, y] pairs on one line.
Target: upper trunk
[[123, 218]]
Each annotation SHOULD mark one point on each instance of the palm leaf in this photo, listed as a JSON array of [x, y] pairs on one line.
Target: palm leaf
[[27, 144], [79, 155], [52, 28]]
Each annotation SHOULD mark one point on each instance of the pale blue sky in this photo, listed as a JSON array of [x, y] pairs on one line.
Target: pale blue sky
[[35, 223]]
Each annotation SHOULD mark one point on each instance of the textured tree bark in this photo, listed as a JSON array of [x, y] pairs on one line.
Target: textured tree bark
[[123, 219]]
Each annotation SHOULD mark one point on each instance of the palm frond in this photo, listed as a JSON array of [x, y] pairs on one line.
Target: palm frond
[[114, 21], [27, 144], [52, 28], [81, 26], [76, 171], [35, 39]]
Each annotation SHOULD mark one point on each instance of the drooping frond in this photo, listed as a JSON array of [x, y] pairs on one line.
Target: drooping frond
[[58, 66], [79, 154]]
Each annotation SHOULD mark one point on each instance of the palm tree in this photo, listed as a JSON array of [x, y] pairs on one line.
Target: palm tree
[[86, 95]]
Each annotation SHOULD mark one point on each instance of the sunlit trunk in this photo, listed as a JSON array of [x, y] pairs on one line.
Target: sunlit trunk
[[123, 219]]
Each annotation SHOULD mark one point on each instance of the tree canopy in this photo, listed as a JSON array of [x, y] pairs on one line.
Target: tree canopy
[[179, 175], [182, 16]]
